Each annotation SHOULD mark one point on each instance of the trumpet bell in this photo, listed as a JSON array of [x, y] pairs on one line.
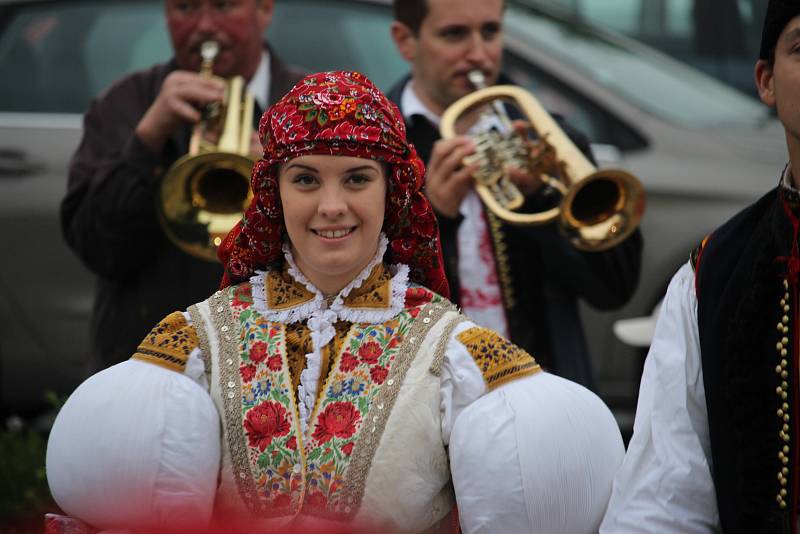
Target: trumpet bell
[[602, 210], [202, 198]]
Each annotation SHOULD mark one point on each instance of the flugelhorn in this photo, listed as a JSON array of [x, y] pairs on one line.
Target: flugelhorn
[[597, 209], [204, 193]]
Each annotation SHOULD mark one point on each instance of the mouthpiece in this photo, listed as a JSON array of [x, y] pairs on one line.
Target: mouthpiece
[[209, 50], [477, 78]]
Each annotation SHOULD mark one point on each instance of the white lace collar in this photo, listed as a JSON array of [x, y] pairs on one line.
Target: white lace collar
[[303, 310]]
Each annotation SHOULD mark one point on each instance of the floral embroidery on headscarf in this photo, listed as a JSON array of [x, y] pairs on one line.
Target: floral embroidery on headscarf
[[343, 114]]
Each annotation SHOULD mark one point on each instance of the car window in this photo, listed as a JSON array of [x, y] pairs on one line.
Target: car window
[[331, 35], [56, 57], [720, 37], [580, 112], [662, 20], [651, 81]]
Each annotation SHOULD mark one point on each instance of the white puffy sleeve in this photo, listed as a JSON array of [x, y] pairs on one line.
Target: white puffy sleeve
[[137, 445], [665, 484], [529, 451]]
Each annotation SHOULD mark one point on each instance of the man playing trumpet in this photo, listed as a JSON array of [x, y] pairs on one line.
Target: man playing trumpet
[[526, 282], [132, 134]]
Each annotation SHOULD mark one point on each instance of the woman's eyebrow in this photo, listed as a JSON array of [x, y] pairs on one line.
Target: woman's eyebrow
[[301, 166], [362, 168]]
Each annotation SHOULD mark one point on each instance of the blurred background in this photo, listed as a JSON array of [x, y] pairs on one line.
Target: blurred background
[[663, 88]]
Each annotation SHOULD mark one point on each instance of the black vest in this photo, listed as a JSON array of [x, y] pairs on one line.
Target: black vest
[[747, 319]]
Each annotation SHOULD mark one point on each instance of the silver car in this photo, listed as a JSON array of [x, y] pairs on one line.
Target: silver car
[[702, 150]]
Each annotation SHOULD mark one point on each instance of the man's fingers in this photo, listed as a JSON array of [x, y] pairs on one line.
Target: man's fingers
[[461, 180], [185, 111], [199, 94], [444, 147], [526, 182], [450, 158]]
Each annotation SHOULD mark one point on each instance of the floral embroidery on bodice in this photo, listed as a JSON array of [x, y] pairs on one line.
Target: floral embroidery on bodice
[[288, 467]]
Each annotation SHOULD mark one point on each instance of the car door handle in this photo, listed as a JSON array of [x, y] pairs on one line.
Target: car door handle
[[14, 162]]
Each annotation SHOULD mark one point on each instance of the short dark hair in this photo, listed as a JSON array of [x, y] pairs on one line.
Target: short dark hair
[[411, 13]]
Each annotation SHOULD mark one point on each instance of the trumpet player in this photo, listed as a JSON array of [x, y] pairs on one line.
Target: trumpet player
[[133, 132], [529, 291]]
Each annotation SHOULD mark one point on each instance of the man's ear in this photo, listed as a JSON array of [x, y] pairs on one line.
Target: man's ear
[[264, 11], [405, 40], [765, 82]]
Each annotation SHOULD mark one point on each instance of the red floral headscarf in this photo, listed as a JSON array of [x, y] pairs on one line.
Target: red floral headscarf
[[342, 114]]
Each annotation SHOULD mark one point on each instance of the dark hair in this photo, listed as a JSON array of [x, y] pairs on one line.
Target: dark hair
[[411, 13]]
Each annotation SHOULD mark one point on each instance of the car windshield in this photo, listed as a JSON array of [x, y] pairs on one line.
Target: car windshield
[[648, 79], [56, 57]]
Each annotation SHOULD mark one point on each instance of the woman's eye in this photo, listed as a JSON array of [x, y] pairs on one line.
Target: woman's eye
[[304, 179], [358, 179]]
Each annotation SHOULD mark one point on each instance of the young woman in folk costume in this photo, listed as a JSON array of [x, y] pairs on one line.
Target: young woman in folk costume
[[330, 379]]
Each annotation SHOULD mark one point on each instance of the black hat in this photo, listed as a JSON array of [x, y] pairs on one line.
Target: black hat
[[779, 13]]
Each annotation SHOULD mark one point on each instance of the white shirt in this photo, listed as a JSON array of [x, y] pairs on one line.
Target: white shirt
[[259, 84], [665, 483], [481, 296]]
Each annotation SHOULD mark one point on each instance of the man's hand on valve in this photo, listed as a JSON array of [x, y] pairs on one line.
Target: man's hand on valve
[[448, 180]]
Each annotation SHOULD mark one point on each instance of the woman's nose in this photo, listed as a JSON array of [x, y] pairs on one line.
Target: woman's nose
[[332, 203]]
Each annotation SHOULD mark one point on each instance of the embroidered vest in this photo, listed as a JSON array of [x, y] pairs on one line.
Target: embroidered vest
[[373, 450], [748, 324]]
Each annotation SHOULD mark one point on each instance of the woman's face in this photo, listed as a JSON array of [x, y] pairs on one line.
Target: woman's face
[[333, 208]]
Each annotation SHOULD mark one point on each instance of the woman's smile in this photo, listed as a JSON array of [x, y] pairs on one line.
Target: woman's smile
[[334, 234]]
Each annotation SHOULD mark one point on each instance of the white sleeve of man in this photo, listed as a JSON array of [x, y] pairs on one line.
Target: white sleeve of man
[[665, 483], [535, 454]]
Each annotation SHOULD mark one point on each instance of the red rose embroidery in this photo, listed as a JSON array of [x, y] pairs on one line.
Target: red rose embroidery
[[258, 352], [274, 363], [348, 449], [241, 297], [292, 443], [248, 372], [348, 363], [339, 419], [264, 422], [370, 352], [378, 374]]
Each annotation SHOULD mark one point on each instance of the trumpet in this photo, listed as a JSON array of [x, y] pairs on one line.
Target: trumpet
[[598, 208], [205, 192]]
